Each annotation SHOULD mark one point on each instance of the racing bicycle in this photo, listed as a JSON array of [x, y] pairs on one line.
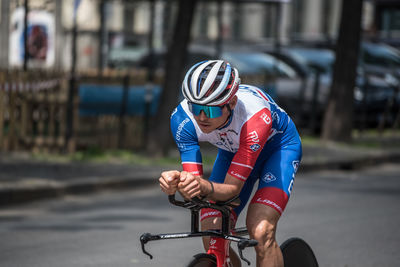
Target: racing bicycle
[[296, 252]]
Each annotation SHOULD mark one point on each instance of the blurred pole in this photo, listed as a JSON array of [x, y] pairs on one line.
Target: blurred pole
[[364, 103], [59, 42], [300, 107], [218, 44], [314, 104], [237, 8], [5, 29], [123, 111], [72, 83], [167, 24], [396, 122], [277, 47], [150, 43], [150, 75], [102, 37], [389, 107], [26, 55], [326, 8], [278, 27]]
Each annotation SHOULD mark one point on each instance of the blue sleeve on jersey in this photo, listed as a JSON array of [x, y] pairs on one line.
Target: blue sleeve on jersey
[[184, 134], [221, 166]]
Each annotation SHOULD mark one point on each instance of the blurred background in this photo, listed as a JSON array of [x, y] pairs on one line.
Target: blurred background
[[87, 88], [106, 73]]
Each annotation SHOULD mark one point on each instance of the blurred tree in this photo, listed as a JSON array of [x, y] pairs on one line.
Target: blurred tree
[[338, 119], [159, 136]]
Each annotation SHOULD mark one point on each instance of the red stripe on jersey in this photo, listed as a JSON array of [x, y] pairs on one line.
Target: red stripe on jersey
[[253, 136], [193, 167], [262, 95], [271, 196]]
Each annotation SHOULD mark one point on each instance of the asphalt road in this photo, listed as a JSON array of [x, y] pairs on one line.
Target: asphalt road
[[349, 219]]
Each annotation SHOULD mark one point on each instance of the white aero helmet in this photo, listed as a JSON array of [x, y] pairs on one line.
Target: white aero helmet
[[211, 83]]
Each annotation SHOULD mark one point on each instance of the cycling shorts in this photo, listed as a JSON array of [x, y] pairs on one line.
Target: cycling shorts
[[274, 170]]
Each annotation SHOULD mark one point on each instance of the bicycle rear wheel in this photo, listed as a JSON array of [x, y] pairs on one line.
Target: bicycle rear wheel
[[297, 253], [202, 260]]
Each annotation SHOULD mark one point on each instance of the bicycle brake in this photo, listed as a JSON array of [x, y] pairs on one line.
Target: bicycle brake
[[143, 240], [242, 245]]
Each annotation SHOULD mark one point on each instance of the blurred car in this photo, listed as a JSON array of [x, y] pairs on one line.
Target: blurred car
[[375, 86], [380, 58], [271, 74], [245, 61], [96, 99]]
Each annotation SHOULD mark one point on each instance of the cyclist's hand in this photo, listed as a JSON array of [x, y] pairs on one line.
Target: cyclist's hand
[[169, 181], [189, 185]]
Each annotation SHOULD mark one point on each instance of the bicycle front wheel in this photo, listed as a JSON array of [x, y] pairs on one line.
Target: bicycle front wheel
[[202, 260], [297, 253]]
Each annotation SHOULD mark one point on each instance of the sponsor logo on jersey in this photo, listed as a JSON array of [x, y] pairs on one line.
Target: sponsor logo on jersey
[[269, 177], [290, 186], [226, 140], [275, 117], [180, 127], [238, 175], [255, 147], [269, 203], [296, 165], [254, 137], [222, 135], [266, 118]]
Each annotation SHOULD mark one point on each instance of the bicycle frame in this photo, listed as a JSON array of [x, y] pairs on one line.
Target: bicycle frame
[[222, 237], [219, 247]]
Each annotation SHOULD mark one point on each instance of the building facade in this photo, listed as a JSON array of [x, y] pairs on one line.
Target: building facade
[[106, 25]]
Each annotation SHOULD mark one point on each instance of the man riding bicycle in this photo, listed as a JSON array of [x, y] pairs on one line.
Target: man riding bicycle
[[256, 140]]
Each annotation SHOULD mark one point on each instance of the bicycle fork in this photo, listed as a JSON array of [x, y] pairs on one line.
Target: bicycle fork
[[219, 247]]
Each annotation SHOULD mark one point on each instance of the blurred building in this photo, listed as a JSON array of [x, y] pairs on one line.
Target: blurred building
[[107, 26]]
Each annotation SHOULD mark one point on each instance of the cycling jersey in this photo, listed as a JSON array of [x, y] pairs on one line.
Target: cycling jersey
[[256, 128]]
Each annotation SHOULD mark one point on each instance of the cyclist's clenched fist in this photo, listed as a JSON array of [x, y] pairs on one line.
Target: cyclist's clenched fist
[[169, 181], [189, 185]]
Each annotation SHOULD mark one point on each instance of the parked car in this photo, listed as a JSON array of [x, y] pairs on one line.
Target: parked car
[[373, 82], [380, 58], [278, 78], [107, 99]]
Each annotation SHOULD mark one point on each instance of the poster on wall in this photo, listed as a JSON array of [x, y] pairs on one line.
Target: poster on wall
[[40, 40]]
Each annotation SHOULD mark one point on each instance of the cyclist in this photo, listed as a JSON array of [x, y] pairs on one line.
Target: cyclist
[[256, 140]]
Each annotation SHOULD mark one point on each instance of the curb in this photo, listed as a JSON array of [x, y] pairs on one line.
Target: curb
[[21, 194], [348, 165], [25, 194]]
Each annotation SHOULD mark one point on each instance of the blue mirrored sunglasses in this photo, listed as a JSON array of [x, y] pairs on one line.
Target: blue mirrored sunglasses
[[211, 112]]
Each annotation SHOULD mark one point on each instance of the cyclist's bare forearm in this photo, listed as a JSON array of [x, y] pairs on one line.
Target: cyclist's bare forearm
[[222, 192], [196, 186]]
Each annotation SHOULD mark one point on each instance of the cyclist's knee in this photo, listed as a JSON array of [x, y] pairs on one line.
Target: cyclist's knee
[[262, 231], [261, 224]]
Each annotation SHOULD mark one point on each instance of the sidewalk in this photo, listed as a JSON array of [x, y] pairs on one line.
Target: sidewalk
[[23, 179]]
